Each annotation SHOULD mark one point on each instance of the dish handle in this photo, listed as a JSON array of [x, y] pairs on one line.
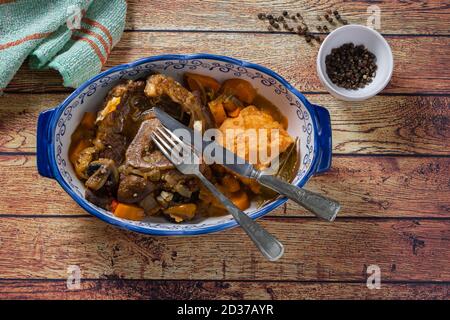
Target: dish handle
[[43, 142], [323, 120]]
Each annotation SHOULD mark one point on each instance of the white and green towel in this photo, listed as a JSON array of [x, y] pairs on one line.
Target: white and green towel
[[74, 37]]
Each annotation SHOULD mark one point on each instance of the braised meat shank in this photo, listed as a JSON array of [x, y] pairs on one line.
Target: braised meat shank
[[113, 154]]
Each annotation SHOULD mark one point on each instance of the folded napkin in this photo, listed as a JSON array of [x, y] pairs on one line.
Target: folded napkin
[[74, 37]]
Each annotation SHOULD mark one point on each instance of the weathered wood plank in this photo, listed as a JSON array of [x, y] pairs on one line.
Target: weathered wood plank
[[365, 186], [419, 61], [405, 250], [423, 17], [382, 125], [121, 289]]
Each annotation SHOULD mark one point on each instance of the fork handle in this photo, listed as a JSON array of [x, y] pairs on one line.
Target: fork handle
[[269, 246], [321, 206]]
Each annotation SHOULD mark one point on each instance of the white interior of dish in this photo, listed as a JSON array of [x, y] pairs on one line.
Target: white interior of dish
[[91, 98]]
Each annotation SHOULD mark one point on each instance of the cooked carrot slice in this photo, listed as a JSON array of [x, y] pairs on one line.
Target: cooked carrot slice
[[217, 111], [205, 81], [234, 113], [240, 200], [129, 212], [182, 212], [88, 120], [242, 89], [230, 183]]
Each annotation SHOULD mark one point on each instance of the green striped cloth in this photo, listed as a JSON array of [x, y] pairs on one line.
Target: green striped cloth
[[74, 37]]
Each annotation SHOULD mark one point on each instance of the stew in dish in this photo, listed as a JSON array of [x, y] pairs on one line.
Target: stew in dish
[[113, 155]]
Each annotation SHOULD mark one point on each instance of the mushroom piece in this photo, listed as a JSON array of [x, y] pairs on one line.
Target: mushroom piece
[[100, 172]]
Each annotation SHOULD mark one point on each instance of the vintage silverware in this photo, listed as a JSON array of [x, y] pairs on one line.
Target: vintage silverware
[[187, 162], [321, 206]]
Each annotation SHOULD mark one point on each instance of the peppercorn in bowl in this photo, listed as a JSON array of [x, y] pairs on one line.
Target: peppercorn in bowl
[[354, 63]]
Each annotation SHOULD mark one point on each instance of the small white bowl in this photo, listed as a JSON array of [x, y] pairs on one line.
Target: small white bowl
[[375, 43]]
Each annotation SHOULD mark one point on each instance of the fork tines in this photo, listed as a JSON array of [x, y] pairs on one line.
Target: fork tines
[[170, 145]]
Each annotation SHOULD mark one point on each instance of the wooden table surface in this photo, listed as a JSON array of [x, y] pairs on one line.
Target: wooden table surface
[[390, 171]]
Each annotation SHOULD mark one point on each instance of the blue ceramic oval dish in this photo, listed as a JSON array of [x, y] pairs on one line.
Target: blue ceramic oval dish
[[309, 122]]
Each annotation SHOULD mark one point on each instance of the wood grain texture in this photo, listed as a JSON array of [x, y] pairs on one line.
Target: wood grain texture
[[365, 187], [121, 289], [419, 61], [381, 125], [405, 250], [396, 205], [405, 17]]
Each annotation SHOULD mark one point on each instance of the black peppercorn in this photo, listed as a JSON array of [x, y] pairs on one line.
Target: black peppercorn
[[285, 13], [350, 66]]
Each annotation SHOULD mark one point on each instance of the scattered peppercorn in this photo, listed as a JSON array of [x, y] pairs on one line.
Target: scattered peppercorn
[[351, 66], [276, 21]]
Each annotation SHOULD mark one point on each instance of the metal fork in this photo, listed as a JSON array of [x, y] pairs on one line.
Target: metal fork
[[187, 161]]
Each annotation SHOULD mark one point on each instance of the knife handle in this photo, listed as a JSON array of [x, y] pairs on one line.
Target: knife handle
[[321, 206]]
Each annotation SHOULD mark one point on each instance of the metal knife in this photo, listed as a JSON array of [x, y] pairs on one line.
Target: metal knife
[[323, 207]]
